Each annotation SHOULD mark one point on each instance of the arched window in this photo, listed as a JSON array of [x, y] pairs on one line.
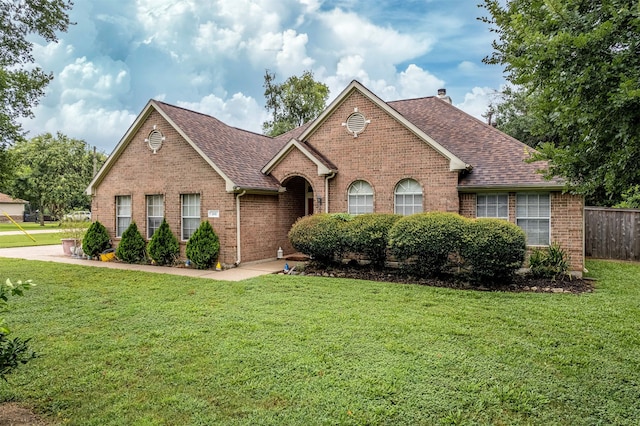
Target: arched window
[[360, 198], [408, 197]]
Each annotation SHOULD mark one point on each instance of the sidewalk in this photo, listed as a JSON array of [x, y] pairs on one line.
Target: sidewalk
[[53, 253]]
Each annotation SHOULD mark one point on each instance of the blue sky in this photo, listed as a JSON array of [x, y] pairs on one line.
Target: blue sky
[[210, 56]]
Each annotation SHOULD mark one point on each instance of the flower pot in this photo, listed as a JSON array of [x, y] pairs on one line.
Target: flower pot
[[68, 244]]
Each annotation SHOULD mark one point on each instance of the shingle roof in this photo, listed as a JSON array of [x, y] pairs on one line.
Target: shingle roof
[[6, 199], [498, 160], [239, 154]]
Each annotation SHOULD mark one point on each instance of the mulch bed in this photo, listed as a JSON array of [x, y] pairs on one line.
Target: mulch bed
[[520, 283]]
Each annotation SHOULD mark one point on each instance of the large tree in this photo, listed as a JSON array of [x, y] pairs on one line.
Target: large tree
[[578, 64], [21, 83], [53, 172], [292, 103]]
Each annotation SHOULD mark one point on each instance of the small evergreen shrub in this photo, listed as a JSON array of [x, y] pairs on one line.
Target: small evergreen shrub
[[424, 241], [164, 247], [493, 249], [320, 236], [132, 247], [369, 234], [96, 240], [203, 247], [552, 262]]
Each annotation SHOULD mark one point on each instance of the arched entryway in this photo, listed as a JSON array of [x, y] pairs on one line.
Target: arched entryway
[[295, 202]]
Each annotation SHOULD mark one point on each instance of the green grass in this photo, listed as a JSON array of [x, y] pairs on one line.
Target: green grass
[[121, 347], [29, 226], [21, 240]]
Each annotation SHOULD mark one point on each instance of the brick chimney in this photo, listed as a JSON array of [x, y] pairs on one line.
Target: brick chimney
[[442, 94]]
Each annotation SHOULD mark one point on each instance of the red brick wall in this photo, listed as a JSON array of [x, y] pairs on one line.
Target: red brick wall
[[258, 233], [174, 170], [567, 226], [566, 222], [384, 154]]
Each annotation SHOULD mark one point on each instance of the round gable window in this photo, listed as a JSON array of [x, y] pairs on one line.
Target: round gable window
[[155, 140], [356, 123]]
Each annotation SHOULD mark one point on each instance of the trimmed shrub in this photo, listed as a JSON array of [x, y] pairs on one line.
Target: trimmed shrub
[[369, 234], [132, 247], [493, 249], [203, 247], [320, 236], [552, 262], [424, 241], [164, 247], [96, 240]]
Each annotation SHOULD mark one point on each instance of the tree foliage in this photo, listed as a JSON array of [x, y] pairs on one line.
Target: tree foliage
[[22, 84], [578, 63], [53, 172], [292, 103]]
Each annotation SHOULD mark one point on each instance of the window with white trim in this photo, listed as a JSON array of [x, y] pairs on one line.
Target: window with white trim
[[360, 198], [492, 205], [155, 213], [123, 214], [533, 215], [190, 214], [408, 197]]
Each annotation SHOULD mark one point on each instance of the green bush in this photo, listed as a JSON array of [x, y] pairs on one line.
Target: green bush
[[96, 240], [164, 247], [552, 262], [203, 246], [320, 236], [493, 249], [132, 247], [424, 241], [369, 234]]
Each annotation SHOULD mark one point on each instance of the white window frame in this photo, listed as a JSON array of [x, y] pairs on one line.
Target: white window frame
[[534, 217], [155, 213], [190, 215], [407, 197], [360, 198], [123, 214], [492, 205]]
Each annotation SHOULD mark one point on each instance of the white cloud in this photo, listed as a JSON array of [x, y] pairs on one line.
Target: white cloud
[[353, 35], [238, 111], [476, 102], [416, 82], [468, 67]]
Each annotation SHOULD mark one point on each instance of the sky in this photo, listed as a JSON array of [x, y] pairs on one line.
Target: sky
[[211, 56]]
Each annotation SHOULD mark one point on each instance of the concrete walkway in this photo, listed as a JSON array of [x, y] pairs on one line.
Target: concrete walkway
[[54, 253]]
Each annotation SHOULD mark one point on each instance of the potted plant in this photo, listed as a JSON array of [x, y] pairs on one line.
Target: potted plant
[[73, 230]]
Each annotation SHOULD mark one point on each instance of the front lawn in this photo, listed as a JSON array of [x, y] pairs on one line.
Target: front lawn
[[21, 240], [29, 226], [121, 347]]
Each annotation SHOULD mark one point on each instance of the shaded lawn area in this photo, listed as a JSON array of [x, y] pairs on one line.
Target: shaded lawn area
[[122, 347]]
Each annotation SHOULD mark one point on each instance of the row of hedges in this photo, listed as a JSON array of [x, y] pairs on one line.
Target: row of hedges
[[425, 244], [164, 249]]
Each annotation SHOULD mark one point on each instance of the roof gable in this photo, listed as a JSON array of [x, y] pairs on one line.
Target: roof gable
[[236, 155], [455, 163]]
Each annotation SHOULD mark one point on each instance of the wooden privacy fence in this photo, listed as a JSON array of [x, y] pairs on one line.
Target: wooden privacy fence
[[612, 233]]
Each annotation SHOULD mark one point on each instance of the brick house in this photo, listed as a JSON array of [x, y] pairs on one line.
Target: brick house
[[360, 155]]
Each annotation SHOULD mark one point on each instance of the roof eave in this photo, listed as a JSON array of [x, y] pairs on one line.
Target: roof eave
[[293, 143], [512, 187]]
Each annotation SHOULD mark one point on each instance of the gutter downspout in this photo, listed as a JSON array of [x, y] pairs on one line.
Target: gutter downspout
[[238, 250], [326, 190]]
